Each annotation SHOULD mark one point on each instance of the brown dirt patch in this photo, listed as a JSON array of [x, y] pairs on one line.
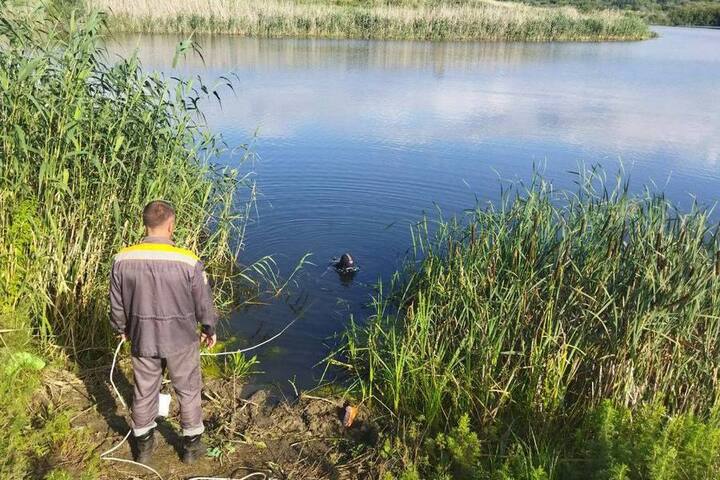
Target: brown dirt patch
[[300, 438]]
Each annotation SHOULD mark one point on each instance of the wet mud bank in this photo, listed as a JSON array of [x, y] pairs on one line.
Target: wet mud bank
[[264, 432]]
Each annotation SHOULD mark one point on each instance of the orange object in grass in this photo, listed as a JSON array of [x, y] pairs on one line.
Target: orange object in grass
[[350, 414]]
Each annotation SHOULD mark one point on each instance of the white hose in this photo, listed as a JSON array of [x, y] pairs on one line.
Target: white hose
[[243, 350], [103, 456], [112, 382]]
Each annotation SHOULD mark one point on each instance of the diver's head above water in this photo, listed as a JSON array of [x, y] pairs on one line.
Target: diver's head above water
[[346, 262], [345, 265]]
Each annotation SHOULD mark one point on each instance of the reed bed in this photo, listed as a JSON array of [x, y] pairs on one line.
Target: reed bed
[[527, 315], [476, 20], [84, 144]]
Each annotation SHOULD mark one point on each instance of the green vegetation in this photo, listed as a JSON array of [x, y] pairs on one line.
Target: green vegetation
[[519, 321], [548, 337], [38, 438], [84, 144], [700, 13], [424, 20], [660, 12], [236, 367], [612, 443]]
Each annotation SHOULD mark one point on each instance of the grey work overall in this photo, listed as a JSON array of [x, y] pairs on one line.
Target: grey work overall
[[159, 293]]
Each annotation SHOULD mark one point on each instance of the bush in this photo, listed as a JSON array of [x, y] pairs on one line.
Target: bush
[[456, 454], [707, 14], [649, 444], [611, 443]]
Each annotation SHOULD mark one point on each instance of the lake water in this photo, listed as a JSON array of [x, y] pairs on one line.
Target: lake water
[[358, 139]]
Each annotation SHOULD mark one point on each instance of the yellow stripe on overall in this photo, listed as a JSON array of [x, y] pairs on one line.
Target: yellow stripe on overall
[[157, 251]]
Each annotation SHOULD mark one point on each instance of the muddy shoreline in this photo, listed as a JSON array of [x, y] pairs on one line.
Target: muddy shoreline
[[265, 432]]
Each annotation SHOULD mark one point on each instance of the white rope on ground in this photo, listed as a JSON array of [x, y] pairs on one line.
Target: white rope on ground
[[103, 456]]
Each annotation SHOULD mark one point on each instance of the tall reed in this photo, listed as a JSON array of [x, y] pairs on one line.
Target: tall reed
[[424, 20], [84, 144], [532, 312]]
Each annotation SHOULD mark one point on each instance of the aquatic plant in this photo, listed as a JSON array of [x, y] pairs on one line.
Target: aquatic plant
[[529, 313], [425, 20]]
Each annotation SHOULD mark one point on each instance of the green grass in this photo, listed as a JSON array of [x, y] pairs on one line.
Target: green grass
[[38, 439], [422, 20], [527, 315]]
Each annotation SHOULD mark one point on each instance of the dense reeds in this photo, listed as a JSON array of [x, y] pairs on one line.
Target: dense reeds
[[476, 20], [531, 313], [84, 144]]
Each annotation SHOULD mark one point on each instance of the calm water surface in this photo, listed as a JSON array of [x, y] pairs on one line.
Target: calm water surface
[[358, 139]]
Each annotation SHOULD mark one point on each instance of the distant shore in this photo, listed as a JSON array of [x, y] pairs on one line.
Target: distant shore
[[420, 20]]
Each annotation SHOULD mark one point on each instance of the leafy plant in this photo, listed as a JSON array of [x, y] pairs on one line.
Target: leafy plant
[[456, 453], [239, 367]]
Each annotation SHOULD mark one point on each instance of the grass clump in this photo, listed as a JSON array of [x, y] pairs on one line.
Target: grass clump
[[649, 443], [530, 314], [421, 20], [38, 439]]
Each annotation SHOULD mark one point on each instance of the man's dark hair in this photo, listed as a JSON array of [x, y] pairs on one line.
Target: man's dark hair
[[156, 213]]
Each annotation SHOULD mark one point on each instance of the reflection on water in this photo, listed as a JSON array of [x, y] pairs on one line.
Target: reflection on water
[[226, 52], [619, 96], [359, 138]]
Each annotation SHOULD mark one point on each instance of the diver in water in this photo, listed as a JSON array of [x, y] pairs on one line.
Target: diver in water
[[346, 267], [345, 264]]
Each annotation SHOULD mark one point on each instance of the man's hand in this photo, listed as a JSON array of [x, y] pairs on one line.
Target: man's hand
[[209, 340], [122, 337]]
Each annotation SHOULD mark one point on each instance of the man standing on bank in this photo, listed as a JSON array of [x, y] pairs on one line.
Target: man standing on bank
[[159, 293]]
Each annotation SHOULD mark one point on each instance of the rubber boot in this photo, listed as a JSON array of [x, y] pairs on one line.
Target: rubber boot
[[145, 444], [193, 448]]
